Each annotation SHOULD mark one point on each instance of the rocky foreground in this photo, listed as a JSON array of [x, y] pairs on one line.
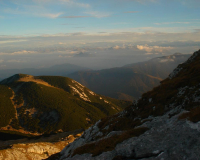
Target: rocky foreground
[[36, 149], [163, 125]]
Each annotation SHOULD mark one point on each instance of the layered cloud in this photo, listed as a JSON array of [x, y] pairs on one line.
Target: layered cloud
[[155, 49], [22, 52]]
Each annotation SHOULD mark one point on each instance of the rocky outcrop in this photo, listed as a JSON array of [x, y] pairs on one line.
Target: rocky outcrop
[[35, 151], [163, 124]]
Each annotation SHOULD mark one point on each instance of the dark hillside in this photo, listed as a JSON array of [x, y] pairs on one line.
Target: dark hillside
[[165, 121], [131, 81]]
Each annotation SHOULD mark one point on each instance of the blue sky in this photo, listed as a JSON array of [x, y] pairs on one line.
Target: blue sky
[[66, 28], [36, 17]]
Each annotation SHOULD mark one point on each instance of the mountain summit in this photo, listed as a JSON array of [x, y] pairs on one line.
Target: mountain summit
[[163, 124]]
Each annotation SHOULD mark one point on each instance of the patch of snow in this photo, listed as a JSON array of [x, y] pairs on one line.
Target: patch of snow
[[82, 95], [75, 82], [81, 88], [92, 93]]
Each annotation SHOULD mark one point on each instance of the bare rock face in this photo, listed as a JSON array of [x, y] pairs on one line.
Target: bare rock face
[[163, 125], [35, 151]]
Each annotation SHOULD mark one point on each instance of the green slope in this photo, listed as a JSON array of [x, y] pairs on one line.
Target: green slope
[[7, 111], [47, 104]]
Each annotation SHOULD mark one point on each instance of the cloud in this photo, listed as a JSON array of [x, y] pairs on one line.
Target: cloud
[[12, 41], [118, 47], [50, 15], [150, 53], [1, 60], [166, 60], [23, 52], [33, 10], [150, 49]]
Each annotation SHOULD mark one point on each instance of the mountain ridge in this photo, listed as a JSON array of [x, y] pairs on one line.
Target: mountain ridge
[[163, 124], [130, 81], [55, 70]]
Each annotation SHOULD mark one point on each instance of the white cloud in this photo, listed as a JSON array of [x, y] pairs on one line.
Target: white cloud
[[120, 47], [34, 10], [166, 60], [146, 48], [49, 15], [155, 49], [23, 52], [12, 41]]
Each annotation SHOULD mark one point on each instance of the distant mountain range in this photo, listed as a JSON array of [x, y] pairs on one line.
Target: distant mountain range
[[130, 81], [163, 124], [47, 104], [56, 70]]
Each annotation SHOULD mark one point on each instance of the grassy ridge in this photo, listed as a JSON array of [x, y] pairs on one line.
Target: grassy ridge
[[64, 104], [71, 110]]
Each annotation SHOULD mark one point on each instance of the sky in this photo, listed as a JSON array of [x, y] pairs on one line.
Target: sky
[[95, 33]]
